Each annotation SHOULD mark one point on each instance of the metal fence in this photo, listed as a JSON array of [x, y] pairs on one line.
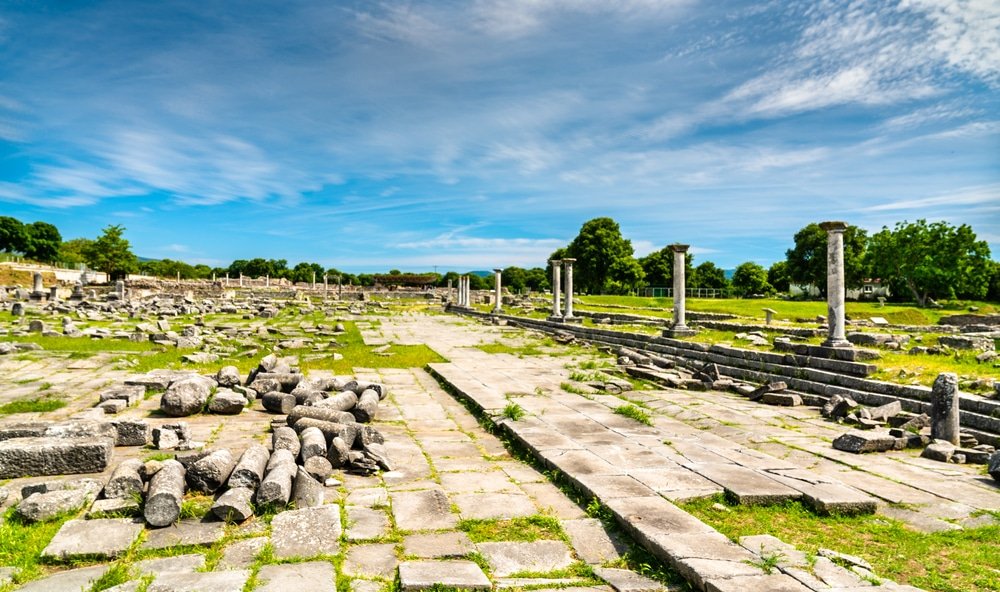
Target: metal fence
[[689, 293]]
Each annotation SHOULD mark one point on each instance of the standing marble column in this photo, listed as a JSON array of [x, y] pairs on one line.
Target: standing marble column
[[241, 279], [314, 281], [568, 314], [944, 408], [556, 283], [835, 284], [679, 328], [37, 288], [461, 290], [326, 285], [496, 289], [448, 293]]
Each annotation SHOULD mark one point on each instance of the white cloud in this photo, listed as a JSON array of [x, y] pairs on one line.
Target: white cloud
[[985, 195]]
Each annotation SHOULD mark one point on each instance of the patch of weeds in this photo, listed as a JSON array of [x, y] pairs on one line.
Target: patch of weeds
[[152, 391], [32, 405], [523, 529], [159, 456], [196, 507], [513, 411], [80, 355], [767, 562], [635, 413], [569, 387], [44, 386], [595, 509], [118, 572], [212, 437]]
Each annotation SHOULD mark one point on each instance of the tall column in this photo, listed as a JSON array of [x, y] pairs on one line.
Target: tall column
[[835, 283], [37, 288], [496, 289], [448, 293], [241, 279], [944, 408], [314, 281], [568, 315], [227, 279], [556, 283], [679, 326], [326, 285], [267, 281], [465, 290]]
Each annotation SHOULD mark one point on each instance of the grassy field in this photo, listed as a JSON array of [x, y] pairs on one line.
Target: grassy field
[[786, 309], [950, 561]]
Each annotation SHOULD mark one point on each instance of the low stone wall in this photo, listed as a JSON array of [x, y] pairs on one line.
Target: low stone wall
[[812, 375]]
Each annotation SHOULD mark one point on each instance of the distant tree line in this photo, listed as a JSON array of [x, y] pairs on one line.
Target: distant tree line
[[919, 261]]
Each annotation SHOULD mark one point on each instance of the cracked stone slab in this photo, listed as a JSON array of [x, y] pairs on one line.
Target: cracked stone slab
[[746, 486], [591, 541], [177, 564], [421, 575], [488, 506], [423, 510], [241, 554], [307, 532], [508, 558], [212, 581], [312, 576], [377, 561], [626, 580], [756, 583], [106, 537], [366, 524], [765, 544], [203, 533], [369, 497], [74, 579], [438, 545]]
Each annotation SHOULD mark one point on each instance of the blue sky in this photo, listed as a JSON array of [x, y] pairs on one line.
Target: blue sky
[[483, 133]]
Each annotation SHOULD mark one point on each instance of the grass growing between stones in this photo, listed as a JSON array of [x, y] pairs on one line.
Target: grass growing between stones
[[951, 561], [526, 529], [21, 545], [635, 413], [32, 405], [63, 343]]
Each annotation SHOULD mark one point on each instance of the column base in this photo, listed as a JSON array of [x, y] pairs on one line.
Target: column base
[[577, 320], [682, 331], [837, 343], [554, 319], [496, 311]]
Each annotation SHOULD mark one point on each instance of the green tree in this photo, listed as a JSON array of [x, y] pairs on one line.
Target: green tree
[[601, 255], [514, 278], [13, 237], [303, 272], [557, 255], [750, 279], [659, 268], [777, 276], [708, 275], [993, 294], [43, 242], [111, 253], [537, 280], [807, 259], [71, 251], [935, 260]]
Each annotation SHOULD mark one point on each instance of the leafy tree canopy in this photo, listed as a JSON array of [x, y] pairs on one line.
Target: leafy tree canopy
[[71, 251], [43, 242], [111, 253], [777, 276], [807, 259], [659, 268], [932, 260], [750, 279], [708, 275], [602, 258], [13, 236]]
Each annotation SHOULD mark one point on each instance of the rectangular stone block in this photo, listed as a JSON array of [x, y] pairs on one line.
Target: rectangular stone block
[[131, 432], [30, 457]]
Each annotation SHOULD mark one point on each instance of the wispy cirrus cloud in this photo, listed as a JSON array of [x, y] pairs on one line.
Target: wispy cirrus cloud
[[988, 195]]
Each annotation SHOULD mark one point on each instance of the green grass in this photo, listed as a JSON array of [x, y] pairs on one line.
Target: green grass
[[32, 405], [635, 413], [950, 561], [526, 529], [21, 544], [81, 345], [513, 411], [503, 348], [790, 309]]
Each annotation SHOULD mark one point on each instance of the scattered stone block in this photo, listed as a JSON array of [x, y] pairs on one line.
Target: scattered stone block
[[37, 456], [235, 505], [939, 450], [126, 481], [994, 466], [108, 506], [131, 432], [227, 402], [861, 442], [202, 533], [106, 537], [38, 507], [186, 396], [944, 408], [782, 399], [166, 491]]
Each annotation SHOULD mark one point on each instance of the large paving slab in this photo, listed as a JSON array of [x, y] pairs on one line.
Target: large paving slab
[[213, 581], [423, 510], [422, 575], [68, 581], [312, 576], [307, 532], [509, 558], [106, 537]]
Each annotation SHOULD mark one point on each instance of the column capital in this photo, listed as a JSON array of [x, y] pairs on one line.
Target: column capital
[[679, 248], [570, 261], [495, 270], [555, 261], [833, 226]]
